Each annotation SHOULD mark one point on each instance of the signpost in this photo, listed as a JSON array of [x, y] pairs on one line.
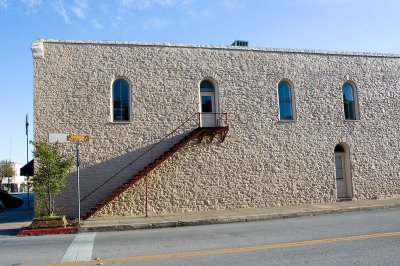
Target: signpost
[[78, 139]]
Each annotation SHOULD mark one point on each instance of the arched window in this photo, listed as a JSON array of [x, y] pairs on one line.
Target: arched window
[[120, 96], [349, 102], [285, 95]]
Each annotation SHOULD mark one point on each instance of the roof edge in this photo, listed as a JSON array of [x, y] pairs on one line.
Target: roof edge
[[222, 47]]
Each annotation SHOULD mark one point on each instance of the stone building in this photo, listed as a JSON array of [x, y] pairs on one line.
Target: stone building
[[183, 128]]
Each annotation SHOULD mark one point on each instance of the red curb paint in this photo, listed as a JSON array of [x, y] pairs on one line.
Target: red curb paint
[[48, 231]]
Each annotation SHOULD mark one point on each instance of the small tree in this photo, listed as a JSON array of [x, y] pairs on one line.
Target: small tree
[[50, 175], [6, 170]]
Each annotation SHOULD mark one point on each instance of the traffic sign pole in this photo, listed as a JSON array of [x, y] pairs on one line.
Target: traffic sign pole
[[79, 189], [77, 139]]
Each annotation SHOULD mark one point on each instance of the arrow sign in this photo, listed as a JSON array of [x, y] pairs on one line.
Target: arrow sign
[[77, 138]]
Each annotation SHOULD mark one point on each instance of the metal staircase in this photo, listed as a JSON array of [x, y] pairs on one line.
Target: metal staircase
[[198, 133]]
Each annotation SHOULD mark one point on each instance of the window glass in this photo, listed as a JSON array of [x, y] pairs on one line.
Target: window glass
[[120, 100], [206, 104], [339, 148], [339, 167], [349, 102], [285, 101], [206, 85]]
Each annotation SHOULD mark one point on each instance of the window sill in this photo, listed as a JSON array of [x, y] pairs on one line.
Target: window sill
[[350, 121], [287, 121]]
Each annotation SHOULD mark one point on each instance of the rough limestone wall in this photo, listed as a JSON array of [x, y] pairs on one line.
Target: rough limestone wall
[[176, 186], [263, 162]]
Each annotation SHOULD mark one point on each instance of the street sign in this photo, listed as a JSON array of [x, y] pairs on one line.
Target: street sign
[[77, 138], [58, 138]]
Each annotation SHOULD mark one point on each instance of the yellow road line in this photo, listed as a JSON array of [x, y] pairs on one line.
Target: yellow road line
[[231, 250]]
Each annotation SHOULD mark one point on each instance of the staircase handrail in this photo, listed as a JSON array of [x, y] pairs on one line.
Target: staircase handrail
[[140, 156]]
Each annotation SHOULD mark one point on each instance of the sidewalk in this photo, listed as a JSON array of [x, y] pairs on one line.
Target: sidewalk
[[231, 216]]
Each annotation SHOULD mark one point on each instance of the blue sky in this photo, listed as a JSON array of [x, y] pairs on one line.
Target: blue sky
[[338, 25]]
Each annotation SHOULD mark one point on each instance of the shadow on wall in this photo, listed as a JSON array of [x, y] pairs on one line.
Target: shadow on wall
[[93, 177]]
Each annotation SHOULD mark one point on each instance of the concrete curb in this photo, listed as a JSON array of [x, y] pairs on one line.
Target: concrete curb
[[233, 219]]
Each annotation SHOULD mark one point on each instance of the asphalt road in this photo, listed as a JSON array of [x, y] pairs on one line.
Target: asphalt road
[[257, 239], [360, 238]]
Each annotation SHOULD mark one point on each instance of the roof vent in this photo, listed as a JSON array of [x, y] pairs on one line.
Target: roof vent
[[240, 43]]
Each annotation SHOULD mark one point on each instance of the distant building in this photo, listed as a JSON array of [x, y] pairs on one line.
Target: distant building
[[184, 128], [16, 183]]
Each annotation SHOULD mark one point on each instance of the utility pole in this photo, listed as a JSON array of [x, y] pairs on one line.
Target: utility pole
[[27, 155]]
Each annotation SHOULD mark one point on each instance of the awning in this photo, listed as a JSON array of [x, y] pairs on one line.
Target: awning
[[27, 169]]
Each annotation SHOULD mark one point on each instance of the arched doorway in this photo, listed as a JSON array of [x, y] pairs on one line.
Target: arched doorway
[[342, 169], [208, 104]]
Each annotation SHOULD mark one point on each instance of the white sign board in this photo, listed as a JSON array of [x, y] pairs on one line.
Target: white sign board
[[58, 137]]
